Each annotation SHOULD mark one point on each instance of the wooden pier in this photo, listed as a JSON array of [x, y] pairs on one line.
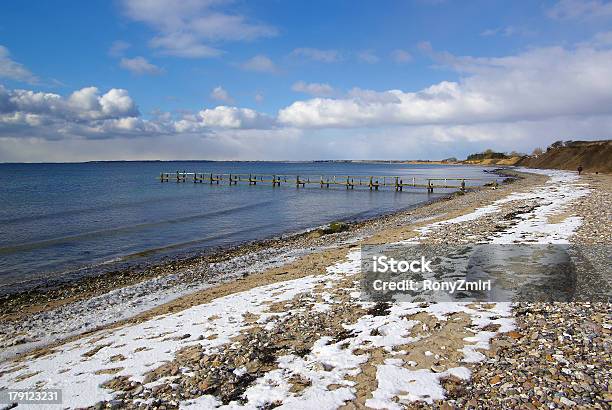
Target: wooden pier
[[350, 182]]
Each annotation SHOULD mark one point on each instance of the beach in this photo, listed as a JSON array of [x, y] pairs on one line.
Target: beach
[[283, 323]]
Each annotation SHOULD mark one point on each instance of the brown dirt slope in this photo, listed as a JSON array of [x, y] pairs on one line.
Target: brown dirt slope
[[494, 161], [592, 155]]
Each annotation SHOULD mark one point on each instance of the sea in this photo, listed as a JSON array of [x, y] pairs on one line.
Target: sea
[[62, 221]]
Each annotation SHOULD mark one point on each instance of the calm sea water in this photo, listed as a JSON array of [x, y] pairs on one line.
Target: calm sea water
[[65, 220]]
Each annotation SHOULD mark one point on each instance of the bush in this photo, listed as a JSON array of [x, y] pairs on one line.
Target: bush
[[488, 154]]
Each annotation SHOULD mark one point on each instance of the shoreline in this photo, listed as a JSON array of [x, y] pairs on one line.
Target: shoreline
[[298, 331], [131, 302], [89, 285], [177, 279]]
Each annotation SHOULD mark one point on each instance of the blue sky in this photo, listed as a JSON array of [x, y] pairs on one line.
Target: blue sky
[[312, 79]]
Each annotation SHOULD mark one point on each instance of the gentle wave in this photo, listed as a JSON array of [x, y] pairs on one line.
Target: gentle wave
[[74, 273], [7, 250]]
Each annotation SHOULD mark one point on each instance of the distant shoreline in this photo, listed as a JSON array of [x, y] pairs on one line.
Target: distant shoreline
[[315, 161]]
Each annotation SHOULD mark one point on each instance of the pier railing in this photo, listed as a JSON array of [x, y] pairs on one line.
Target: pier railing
[[373, 182]]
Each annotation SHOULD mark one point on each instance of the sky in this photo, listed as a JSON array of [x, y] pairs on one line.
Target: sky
[[300, 80]]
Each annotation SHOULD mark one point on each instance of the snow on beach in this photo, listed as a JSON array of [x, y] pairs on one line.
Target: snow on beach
[[560, 190], [78, 367], [331, 367], [43, 328]]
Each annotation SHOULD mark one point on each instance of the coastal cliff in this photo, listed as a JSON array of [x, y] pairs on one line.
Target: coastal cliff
[[593, 156]]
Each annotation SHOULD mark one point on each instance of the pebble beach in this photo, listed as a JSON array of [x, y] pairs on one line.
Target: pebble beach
[[283, 323]]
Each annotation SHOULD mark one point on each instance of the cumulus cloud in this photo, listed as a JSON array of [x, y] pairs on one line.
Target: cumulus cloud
[[139, 65], [580, 10], [316, 89], [13, 70], [89, 114], [539, 83], [259, 63], [315, 54], [187, 28], [83, 104], [513, 102], [233, 117], [222, 117], [85, 113], [220, 94]]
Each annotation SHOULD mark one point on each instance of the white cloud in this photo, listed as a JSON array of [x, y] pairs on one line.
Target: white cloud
[[315, 54], [84, 113], [316, 89], [118, 48], [259, 63], [259, 98], [183, 45], [399, 142], [539, 83], [401, 56], [233, 117], [13, 70], [580, 10], [222, 117], [186, 28], [514, 102], [220, 94], [83, 104], [88, 114], [139, 65], [117, 103], [368, 56]]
